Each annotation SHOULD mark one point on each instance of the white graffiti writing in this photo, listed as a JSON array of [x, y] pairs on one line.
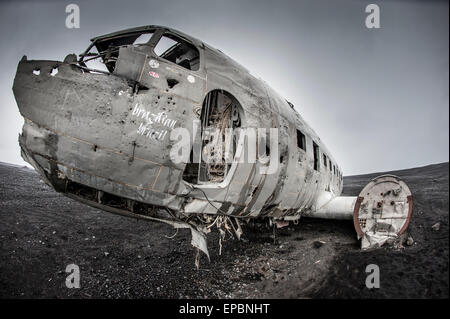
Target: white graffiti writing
[[146, 128]]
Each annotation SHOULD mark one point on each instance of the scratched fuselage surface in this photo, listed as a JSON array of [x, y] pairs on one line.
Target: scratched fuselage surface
[[82, 128]]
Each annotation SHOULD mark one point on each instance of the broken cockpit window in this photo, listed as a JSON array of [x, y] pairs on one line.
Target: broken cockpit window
[[178, 51], [102, 54]]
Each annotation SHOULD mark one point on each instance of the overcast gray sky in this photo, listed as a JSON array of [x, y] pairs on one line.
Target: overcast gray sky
[[377, 97]]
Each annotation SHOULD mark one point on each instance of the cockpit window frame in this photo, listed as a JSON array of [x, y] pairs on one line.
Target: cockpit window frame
[[157, 34], [98, 41], [157, 37]]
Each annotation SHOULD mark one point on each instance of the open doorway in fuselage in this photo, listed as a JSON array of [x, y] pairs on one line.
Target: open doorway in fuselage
[[221, 115]]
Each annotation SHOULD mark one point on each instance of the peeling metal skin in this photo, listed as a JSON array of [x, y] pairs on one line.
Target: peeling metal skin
[[81, 133]]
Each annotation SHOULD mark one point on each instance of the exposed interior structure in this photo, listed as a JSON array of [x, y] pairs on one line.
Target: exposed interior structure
[[220, 112]]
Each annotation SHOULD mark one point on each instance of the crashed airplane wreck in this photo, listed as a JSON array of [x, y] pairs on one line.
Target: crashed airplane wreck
[[104, 128]]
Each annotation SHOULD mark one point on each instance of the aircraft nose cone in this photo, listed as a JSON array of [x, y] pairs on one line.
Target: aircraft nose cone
[[80, 127]]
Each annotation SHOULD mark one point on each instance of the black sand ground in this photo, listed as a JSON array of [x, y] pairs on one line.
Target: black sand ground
[[42, 231]]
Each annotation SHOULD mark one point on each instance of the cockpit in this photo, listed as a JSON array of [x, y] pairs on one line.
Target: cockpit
[[103, 52]]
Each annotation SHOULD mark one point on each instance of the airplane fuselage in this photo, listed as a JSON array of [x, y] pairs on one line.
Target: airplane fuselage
[[107, 137]]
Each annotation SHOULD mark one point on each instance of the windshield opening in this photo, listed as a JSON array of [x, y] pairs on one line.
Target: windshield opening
[[102, 54]]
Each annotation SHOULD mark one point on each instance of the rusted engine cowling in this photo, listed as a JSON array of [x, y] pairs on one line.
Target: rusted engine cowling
[[382, 211]]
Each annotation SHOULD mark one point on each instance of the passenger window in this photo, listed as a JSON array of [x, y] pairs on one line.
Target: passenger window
[[301, 141], [329, 161], [324, 160], [316, 156], [178, 51]]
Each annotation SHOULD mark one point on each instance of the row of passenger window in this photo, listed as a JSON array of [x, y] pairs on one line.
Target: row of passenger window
[[301, 143]]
